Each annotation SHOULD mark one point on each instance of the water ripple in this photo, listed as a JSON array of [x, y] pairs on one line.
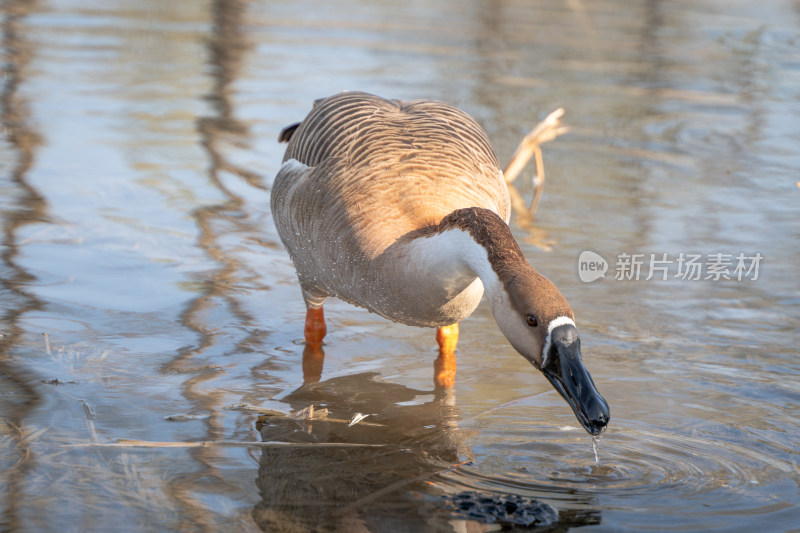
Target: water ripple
[[642, 464]]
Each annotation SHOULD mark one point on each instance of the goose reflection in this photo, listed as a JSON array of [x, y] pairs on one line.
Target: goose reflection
[[385, 488], [421, 455]]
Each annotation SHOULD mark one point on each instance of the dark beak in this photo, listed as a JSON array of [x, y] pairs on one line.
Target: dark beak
[[564, 369]]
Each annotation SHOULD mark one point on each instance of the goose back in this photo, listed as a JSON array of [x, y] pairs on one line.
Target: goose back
[[368, 171]]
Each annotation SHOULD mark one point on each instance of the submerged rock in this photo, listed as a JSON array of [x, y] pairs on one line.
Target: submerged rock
[[504, 509]]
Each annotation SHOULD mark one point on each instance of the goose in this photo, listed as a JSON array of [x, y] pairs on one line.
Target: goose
[[401, 207]]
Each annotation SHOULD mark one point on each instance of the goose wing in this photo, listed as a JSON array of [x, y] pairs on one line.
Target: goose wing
[[379, 168]]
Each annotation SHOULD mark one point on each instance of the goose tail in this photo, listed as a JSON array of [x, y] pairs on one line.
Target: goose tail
[[287, 132]]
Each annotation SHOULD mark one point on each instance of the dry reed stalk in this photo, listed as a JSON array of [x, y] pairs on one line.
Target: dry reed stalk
[[530, 146], [304, 414], [132, 443]]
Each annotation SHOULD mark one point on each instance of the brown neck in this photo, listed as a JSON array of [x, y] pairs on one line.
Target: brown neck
[[493, 234]]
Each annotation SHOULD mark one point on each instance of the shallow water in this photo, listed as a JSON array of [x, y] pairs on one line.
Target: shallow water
[[145, 294]]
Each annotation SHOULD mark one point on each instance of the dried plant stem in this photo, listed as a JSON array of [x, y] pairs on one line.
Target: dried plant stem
[[47, 344], [530, 146], [130, 443], [320, 415]]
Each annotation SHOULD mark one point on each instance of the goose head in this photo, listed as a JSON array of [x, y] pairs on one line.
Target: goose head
[[529, 310], [539, 323]]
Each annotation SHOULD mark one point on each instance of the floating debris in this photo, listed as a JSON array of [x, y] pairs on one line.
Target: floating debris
[[47, 344], [253, 408], [503, 509], [185, 417], [310, 414], [88, 409], [358, 417]]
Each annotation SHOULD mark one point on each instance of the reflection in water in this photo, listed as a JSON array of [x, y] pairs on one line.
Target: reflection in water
[[21, 205], [226, 47], [313, 361], [424, 456], [225, 51], [388, 488]]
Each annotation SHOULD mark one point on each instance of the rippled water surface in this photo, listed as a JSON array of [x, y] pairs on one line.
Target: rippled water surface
[[145, 294]]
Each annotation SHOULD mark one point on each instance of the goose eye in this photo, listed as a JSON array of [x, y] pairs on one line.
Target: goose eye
[[531, 320]]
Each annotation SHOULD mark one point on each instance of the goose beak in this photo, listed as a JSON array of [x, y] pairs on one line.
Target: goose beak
[[564, 369]]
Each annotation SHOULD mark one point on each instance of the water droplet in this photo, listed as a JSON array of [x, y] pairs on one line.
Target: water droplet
[[594, 448]]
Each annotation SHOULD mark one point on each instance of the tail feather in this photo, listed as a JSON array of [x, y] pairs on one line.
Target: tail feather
[[287, 132]]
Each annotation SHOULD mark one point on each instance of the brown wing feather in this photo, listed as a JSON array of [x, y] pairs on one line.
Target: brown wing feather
[[403, 165]]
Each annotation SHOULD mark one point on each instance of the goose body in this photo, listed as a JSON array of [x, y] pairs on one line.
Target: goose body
[[361, 175], [402, 208]]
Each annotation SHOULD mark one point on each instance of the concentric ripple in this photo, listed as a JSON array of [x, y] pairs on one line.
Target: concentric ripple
[[643, 471]]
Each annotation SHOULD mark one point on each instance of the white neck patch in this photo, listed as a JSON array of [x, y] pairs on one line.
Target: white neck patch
[[452, 250], [559, 321]]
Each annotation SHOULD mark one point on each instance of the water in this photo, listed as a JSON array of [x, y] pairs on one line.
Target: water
[[145, 294]]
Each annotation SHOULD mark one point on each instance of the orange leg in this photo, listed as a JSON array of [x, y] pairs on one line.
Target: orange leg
[[315, 326], [313, 355], [444, 368]]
